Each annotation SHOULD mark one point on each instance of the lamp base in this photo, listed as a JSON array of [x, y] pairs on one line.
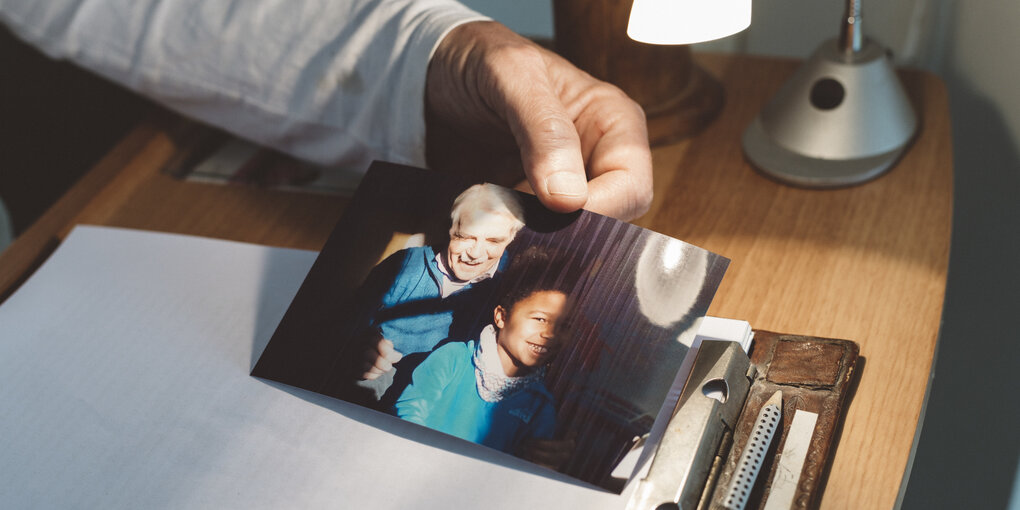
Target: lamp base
[[679, 98], [792, 168], [841, 119], [692, 109]]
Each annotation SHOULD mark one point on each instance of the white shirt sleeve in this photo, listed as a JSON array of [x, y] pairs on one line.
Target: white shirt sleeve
[[336, 82]]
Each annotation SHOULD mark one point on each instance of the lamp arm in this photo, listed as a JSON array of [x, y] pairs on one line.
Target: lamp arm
[[851, 35]]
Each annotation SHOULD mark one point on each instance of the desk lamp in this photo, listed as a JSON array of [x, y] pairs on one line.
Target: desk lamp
[[842, 119], [687, 21], [679, 98]]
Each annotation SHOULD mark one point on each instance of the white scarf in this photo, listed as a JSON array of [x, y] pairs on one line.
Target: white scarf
[[492, 382]]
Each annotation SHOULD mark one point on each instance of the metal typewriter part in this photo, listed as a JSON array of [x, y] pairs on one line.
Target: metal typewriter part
[[689, 457]]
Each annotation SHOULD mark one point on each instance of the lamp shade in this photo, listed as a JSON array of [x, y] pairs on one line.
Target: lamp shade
[[687, 21]]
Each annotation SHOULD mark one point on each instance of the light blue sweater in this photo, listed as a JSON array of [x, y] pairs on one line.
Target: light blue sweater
[[443, 396]]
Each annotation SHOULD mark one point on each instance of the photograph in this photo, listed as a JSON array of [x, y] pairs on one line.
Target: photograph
[[471, 309]]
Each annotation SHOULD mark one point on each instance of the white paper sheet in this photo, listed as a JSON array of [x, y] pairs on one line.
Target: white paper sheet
[[124, 384], [791, 461]]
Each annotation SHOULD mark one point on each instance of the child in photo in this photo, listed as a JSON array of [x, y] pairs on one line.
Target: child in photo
[[491, 390]]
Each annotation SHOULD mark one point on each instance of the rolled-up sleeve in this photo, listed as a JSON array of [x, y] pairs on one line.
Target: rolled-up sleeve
[[335, 82]]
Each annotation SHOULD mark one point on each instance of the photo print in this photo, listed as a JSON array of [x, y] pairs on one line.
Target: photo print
[[473, 310]]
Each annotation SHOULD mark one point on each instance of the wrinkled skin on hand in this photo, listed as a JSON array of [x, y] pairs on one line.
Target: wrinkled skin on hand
[[501, 108]]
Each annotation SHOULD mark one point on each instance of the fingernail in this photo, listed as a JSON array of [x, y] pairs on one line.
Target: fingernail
[[570, 184]]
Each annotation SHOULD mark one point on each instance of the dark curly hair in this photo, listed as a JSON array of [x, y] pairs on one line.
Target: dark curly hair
[[534, 269]]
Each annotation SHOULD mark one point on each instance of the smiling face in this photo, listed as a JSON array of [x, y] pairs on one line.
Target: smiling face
[[526, 333], [477, 243]]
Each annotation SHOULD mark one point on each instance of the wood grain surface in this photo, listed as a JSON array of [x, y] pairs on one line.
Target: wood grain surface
[[866, 263]]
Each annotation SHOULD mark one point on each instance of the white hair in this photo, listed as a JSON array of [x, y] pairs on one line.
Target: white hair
[[488, 198]]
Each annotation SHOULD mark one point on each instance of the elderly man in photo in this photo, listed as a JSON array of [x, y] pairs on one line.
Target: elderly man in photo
[[419, 297]]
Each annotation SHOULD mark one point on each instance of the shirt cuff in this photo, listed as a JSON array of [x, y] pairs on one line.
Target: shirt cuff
[[407, 121]]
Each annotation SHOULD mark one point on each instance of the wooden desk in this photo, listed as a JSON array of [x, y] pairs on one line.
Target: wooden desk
[[866, 263]]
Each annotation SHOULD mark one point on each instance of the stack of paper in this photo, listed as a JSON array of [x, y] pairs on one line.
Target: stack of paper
[[124, 383]]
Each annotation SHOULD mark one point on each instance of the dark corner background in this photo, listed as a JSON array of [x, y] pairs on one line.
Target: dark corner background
[[56, 122], [969, 443]]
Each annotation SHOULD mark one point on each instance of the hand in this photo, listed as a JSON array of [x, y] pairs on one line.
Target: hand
[[379, 359], [498, 102], [551, 453]]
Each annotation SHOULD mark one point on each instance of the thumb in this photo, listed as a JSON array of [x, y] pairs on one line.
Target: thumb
[[548, 140]]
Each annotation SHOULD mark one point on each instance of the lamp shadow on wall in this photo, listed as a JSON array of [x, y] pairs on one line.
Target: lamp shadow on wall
[[963, 460]]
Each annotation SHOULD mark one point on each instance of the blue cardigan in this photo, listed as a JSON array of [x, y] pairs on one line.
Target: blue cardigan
[[443, 396], [411, 311]]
